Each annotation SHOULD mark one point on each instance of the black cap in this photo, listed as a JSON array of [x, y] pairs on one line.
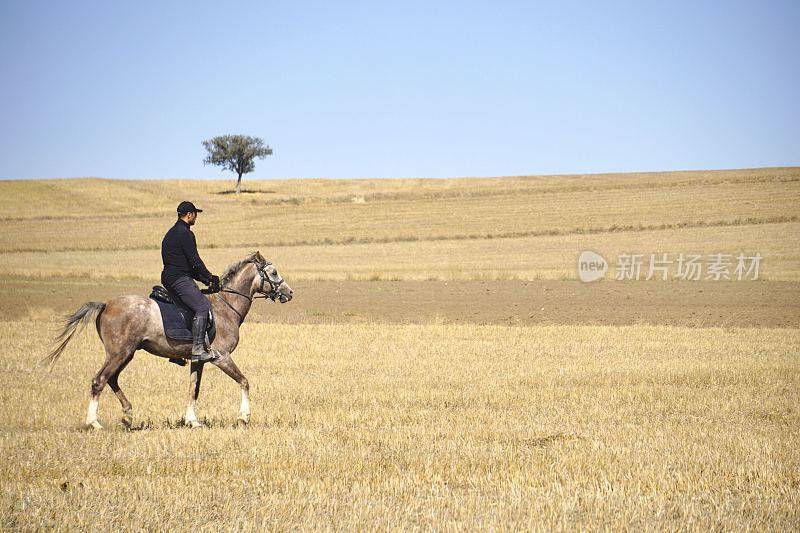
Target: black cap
[[187, 207]]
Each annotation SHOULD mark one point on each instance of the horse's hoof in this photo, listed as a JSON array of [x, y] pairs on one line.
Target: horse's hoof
[[193, 424], [94, 426], [127, 420], [242, 421]]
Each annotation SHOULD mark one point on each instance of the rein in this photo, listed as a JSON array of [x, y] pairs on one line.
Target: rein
[[226, 302]]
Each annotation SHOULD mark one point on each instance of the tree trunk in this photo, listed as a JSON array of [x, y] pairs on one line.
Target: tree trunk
[[239, 184]]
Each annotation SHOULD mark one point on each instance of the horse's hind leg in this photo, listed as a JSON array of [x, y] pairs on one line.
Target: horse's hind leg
[[111, 367], [127, 408], [226, 364]]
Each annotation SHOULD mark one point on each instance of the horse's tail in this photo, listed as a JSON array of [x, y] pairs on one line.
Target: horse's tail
[[75, 323]]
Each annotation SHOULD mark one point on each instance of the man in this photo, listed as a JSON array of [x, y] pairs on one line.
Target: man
[[182, 265]]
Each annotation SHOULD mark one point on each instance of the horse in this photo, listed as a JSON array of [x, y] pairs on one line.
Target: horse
[[129, 323]]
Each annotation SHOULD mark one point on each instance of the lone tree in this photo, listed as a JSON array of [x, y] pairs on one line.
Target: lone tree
[[236, 153]]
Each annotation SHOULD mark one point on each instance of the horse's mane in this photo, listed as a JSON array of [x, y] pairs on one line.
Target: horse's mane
[[233, 269]]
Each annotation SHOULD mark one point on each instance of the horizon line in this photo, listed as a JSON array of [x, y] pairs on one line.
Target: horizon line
[[364, 178]]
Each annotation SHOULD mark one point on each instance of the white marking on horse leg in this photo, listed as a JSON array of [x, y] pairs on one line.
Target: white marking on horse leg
[[244, 409], [91, 415], [191, 417], [195, 375]]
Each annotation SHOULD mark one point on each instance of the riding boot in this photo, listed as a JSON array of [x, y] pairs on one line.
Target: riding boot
[[199, 352]]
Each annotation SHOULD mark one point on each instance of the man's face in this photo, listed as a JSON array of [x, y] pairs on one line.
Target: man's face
[[190, 218]]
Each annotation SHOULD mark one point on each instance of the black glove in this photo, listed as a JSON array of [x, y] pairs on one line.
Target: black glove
[[214, 284]]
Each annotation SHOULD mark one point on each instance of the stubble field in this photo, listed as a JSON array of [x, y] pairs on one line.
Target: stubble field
[[376, 409]]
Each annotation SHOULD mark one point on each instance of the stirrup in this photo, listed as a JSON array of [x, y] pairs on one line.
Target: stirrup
[[205, 357], [178, 361]]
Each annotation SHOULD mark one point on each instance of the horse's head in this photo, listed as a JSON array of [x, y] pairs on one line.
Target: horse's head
[[268, 282]]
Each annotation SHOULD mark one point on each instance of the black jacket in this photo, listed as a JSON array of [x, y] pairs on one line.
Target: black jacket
[[179, 253]]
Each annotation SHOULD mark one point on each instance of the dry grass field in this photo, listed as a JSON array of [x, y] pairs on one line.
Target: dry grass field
[[516, 258], [510, 228], [365, 419], [431, 426]]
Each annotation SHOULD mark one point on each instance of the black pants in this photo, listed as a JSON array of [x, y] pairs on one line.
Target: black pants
[[185, 288]]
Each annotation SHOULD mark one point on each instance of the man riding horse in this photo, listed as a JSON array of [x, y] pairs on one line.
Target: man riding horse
[[182, 265], [127, 324]]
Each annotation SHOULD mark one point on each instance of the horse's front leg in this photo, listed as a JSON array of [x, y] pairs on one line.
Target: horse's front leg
[[226, 364], [195, 376]]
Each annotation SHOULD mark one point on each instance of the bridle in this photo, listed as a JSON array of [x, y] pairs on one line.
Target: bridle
[[261, 293], [273, 285]]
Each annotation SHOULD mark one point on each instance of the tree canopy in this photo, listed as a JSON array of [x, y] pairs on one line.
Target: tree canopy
[[236, 153]]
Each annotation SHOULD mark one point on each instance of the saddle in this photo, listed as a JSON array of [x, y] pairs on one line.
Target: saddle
[[177, 317]]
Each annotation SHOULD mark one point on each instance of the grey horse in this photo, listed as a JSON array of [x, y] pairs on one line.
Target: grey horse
[[129, 323]]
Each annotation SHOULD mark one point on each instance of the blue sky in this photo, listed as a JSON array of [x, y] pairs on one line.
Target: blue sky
[[400, 89]]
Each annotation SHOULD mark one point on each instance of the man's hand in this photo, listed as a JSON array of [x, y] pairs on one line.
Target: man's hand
[[214, 285]]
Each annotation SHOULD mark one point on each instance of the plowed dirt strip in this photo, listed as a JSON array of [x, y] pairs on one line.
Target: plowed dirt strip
[[694, 304]]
